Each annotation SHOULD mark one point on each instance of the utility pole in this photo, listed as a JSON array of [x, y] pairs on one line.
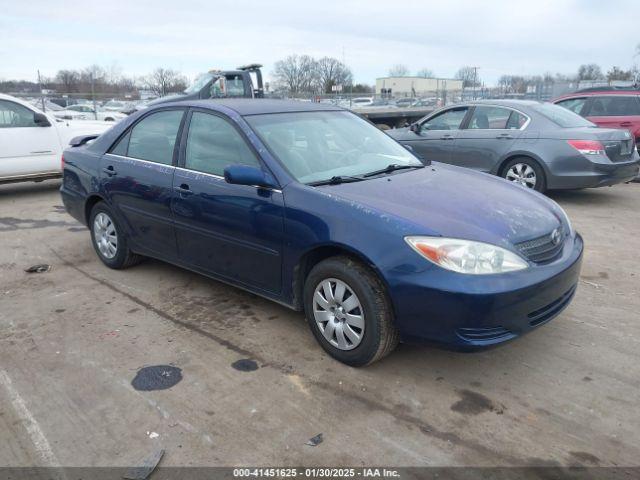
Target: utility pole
[[93, 98], [475, 80], [41, 93]]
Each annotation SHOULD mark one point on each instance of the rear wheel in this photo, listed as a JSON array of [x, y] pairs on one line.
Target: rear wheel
[[109, 240], [525, 172], [348, 311]]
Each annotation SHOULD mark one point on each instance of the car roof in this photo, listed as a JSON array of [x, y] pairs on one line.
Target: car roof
[[597, 93], [258, 106], [502, 103]]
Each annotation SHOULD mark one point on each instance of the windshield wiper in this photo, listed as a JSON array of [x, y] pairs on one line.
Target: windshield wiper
[[391, 168], [335, 180]]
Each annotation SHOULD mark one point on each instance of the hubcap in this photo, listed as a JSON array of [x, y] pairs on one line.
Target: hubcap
[[104, 234], [338, 314], [522, 174]]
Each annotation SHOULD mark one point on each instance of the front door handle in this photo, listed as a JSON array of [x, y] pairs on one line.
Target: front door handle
[[504, 136], [110, 171], [447, 137], [626, 124], [184, 190]]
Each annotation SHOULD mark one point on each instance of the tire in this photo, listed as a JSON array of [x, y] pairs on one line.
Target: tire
[[104, 228], [378, 335], [514, 173]]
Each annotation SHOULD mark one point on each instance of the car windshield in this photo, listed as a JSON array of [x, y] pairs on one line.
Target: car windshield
[[199, 83], [561, 116], [317, 146]]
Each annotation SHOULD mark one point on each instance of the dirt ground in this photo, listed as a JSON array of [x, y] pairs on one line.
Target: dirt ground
[[72, 340]]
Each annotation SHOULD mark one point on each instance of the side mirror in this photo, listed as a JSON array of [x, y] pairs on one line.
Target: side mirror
[[41, 120], [246, 175]]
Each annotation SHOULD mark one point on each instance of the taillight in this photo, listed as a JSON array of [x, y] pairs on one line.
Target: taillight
[[588, 147], [62, 162]]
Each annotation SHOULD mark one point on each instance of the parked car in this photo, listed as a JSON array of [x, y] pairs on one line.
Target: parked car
[[427, 102], [360, 102], [31, 142], [405, 102], [118, 106], [606, 108], [537, 145], [313, 207], [87, 112], [45, 105]]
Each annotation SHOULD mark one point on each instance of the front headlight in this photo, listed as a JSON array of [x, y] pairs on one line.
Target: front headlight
[[465, 256], [566, 219]]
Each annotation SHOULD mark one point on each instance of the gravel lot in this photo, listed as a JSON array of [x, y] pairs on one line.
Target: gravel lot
[[72, 340]]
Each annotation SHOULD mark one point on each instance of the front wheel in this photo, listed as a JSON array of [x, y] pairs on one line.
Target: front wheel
[[525, 172], [109, 239], [348, 311]]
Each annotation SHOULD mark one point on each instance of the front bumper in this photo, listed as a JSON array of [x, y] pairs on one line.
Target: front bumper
[[469, 312]]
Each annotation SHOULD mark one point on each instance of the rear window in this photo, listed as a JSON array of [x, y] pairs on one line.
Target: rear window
[[561, 116], [614, 106]]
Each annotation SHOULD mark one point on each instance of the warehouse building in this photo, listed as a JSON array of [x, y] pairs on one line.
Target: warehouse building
[[415, 86]]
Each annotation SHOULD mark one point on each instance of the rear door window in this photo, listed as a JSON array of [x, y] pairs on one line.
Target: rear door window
[[489, 118], [516, 120], [153, 138], [614, 106]]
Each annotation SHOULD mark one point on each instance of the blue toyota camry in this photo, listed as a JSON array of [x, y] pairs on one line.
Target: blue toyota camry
[[315, 208]]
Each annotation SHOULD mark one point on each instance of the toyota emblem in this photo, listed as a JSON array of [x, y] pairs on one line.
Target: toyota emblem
[[556, 236]]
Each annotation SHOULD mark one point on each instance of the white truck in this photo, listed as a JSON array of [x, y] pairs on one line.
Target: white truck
[[31, 142]]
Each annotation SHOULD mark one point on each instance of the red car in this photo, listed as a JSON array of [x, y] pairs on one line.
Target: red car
[[607, 108]]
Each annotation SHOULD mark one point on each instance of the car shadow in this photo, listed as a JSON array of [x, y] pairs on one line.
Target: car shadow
[[24, 189], [590, 196]]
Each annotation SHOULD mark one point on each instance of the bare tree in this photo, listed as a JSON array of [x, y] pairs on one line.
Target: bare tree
[[295, 74], [469, 76], [329, 72], [163, 81], [399, 70], [425, 73], [590, 71], [617, 73], [68, 80]]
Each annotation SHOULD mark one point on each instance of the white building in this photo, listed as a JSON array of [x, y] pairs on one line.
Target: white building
[[416, 86]]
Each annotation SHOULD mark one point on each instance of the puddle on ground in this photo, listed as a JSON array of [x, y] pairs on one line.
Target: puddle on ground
[[245, 365], [157, 377]]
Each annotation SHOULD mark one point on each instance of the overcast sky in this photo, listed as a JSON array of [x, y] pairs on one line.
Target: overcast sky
[[498, 36]]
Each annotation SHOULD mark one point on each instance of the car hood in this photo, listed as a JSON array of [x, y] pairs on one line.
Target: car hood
[[454, 202], [69, 129], [169, 98]]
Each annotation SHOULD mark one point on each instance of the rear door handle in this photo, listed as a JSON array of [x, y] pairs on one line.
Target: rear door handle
[[626, 124], [505, 136], [110, 171], [184, 190], [447, 137]]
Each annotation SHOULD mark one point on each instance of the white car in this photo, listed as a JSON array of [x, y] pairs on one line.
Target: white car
[[31, 142], [360, 102], [117, 106], [86, 112]]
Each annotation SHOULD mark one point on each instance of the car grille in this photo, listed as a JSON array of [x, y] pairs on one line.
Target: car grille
[[619, 150], [543, 249], [547, 312], [484, 334]]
